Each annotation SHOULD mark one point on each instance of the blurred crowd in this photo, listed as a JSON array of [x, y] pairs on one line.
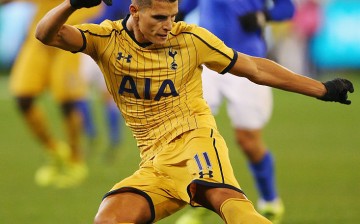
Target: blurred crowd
[[35, 69]]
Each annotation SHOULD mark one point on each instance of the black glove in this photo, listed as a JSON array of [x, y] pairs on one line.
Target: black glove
[[78, 4], [337, 91], [250, 22], [108, 2]]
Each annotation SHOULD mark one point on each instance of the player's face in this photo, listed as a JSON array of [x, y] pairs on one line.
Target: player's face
[[155, 23]]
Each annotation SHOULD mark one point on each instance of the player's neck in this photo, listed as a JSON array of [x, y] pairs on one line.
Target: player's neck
[[135, 31]]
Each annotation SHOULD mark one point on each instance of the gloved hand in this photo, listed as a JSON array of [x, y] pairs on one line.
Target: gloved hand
[[337, 90], [253, 21], [108, 2], [78, 4]]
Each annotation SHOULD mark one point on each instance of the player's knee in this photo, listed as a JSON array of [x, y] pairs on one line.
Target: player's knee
[[125, 207], [101, 218], [24, 103], [251, 143], [247, 138], [68, 107], [235, 210], [104, 217]]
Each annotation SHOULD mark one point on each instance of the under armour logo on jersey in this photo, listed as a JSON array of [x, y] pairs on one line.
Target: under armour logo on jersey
[[172, 54], [120, 56], [202, 169]]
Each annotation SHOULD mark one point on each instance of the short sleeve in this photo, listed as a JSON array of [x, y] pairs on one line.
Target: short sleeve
[[213, 52]]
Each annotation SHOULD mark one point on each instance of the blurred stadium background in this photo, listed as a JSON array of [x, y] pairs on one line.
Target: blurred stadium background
[[318, 144]]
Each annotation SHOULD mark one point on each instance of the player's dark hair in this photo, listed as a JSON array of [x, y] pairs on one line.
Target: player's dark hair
[[148, 3]]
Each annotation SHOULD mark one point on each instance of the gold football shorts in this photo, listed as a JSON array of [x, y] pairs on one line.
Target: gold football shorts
[[39, 68], [168, 180]]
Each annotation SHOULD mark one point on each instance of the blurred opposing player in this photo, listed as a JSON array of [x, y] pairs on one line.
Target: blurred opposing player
[[249, 105], [93, 76], [37, 68], [152, 67]]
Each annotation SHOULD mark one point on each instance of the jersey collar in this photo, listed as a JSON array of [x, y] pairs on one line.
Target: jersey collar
[[132, 35]]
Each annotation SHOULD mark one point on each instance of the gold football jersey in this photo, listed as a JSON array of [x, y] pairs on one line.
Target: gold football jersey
[[157, 87]]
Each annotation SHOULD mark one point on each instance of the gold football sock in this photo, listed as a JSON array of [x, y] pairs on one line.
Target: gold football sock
[[37, 122], [241, 211]]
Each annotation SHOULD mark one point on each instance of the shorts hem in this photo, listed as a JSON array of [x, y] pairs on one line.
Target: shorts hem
[[136, 191], [212, 185]]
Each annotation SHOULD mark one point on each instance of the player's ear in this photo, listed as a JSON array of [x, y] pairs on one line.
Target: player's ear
[[134, 11]]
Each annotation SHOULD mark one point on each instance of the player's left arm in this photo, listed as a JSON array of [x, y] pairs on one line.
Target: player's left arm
[[266, 72]]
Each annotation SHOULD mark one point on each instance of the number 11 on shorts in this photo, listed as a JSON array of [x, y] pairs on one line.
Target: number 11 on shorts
[[200, 165]]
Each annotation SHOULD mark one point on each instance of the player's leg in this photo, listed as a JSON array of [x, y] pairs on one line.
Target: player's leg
[[145, 197], [114, 123], [249, 108], [261, 164], [68, 87], [126, 207], [36, 120], [84, 108], [88, 70], [93, 75], [231, 205], [72, 169], [73, 128], [214, 185], [114, 119], [28, 79], [214, 98]]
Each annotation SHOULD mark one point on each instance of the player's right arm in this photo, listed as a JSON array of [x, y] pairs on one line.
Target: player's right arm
[[52, 30]]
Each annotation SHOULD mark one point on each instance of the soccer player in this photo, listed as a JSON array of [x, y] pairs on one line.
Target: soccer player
[[249, 105], [152, 67], [37, 68]]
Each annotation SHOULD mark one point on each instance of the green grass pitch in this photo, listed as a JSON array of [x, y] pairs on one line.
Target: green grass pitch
[[316, 147]]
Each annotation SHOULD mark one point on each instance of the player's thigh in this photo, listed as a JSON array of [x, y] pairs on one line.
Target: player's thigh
[[30, 72], [211, 89], [213, 197], [155, 187], [249, 105], [115, 209], [67, 84], [213, 179], [207, 164]]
